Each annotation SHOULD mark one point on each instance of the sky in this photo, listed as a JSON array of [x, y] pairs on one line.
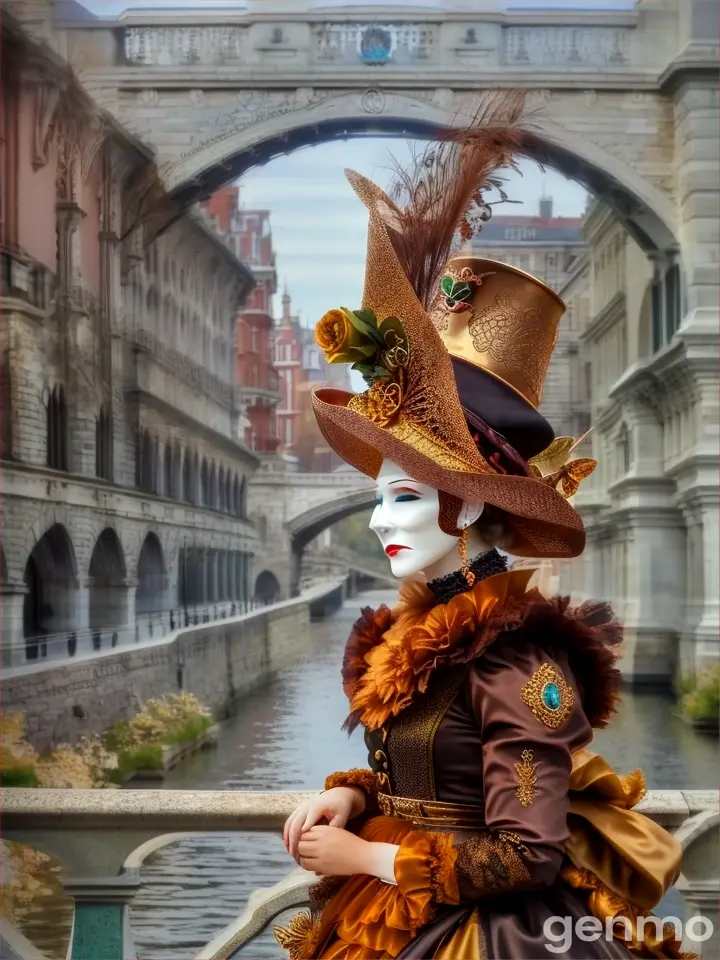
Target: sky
[[319, 227]]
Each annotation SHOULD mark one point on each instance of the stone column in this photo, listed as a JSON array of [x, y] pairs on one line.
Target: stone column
[[702, 623], [247, 587], [699, 884], [13, 635], [101, 926], [655, 593]]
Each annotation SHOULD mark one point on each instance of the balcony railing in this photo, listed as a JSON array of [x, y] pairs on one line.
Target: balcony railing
[[25, 279], [65, 645], [70, 825]]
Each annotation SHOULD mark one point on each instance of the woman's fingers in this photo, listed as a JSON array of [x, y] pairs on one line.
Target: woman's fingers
[[307, 850], [294, 833], [296, 830], [286, 830], [313, 815]]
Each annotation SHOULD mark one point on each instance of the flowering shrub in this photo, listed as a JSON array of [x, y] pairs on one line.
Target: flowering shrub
[[26, 876], [175, 719], [701, 702], [160, 721], [96, 761], [85, 765]]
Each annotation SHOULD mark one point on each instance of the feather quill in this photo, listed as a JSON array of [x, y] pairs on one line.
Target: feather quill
[[442, 195]]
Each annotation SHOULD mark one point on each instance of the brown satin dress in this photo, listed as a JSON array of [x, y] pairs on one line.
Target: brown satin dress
[[544, 828]]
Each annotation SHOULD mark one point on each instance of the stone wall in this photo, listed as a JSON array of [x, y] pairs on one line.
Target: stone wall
[[217, 662]]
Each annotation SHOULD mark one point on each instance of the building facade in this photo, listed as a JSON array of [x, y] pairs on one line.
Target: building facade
[[249, 235], [549, 248], [302, 367], [651, 507], [124, 483]]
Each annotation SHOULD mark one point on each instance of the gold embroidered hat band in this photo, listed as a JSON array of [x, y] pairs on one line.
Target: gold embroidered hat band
[[411, 412]]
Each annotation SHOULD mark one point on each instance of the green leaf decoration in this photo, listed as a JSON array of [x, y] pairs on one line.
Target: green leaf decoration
[[455, 291], [370, 371], [363, 326], [366, 349], [446, 285], [368, 318]]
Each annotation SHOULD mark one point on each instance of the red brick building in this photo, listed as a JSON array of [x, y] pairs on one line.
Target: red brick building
[[302, 366], [249, 234]]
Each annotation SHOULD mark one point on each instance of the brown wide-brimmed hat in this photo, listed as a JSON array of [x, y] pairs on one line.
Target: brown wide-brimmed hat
[[411, 413]]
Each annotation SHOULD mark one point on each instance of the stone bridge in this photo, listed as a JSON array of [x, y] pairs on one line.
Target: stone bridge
[[291, 509], [217, 92]]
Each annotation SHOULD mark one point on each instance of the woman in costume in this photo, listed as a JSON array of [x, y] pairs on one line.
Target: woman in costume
[[483, 813]]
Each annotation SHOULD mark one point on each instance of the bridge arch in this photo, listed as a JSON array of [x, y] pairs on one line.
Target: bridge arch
[[306, 526], [648, 213]]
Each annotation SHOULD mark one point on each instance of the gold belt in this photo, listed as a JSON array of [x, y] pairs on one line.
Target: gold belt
[[432, 812]]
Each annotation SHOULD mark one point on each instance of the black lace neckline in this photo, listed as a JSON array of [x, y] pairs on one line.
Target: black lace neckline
[[483, 566]]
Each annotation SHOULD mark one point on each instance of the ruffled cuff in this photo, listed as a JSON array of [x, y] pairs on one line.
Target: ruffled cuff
[[366, 780], [425, 872]]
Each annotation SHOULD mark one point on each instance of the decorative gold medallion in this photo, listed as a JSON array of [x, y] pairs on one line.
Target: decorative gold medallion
[[526, 777], [549, 696]]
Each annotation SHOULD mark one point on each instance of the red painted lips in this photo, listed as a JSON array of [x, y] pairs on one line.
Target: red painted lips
[[392, 549]]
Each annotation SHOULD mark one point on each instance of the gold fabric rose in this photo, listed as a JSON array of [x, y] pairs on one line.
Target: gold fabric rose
[[342, 339]]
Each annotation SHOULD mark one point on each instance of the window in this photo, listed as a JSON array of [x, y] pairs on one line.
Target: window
[[255, 340], [624, 449], [672, 300], [657, 314], [288, 430], [588, 381], [103, 445], [57, 429], [5, 407]]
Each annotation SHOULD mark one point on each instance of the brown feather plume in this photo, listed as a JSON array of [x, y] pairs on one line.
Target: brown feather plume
[[433, 202]]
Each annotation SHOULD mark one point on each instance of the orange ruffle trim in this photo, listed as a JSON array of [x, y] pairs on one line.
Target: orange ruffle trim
[[365, 780], [371, 919], [388, 660]]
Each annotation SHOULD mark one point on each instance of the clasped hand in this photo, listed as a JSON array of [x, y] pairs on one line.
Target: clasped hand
[[328, 850]]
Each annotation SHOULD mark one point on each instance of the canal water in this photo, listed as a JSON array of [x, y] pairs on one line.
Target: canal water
[[287, 737]]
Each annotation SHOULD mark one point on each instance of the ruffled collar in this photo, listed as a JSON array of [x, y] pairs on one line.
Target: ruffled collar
[[483, 566], [391, 655]]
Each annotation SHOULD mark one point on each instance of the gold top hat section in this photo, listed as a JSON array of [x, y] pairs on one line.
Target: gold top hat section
[[500, 319]]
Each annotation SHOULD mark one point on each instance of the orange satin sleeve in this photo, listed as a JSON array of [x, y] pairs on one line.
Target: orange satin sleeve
[[425, 872]]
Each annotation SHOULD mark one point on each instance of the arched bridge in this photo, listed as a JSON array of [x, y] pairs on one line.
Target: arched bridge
[[291, 509]]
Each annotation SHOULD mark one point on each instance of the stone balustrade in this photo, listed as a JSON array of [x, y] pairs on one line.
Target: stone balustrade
[[397, 42], [102, 837]]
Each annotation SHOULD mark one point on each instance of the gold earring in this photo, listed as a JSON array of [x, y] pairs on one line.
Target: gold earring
[[464, 566]]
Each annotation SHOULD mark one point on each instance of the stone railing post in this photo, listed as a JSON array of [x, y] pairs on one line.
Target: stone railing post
[[101, 925], [699, 883]]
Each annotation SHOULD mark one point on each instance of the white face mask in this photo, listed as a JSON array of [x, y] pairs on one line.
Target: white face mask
[[406, 520]]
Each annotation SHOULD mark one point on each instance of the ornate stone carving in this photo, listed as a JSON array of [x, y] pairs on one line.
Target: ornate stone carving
[[197, 97], [590, 97], [46, 101], [568, 46], [148, 98], [400, 43], [373, 101], [181, 46]]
